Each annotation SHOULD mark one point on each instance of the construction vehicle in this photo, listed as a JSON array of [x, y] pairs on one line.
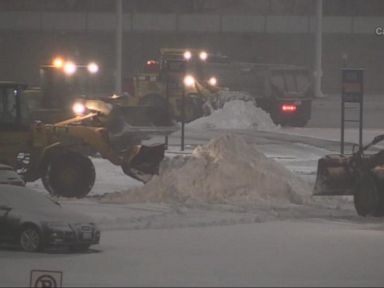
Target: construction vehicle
[[162, 84], [58, 153], [358, 174], [61, 83], [284, 91]]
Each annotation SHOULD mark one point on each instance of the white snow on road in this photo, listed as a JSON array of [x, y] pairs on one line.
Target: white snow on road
[[351, 134], [235, 114], [227, 169]]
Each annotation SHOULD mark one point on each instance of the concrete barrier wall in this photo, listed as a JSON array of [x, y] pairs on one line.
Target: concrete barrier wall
[[28, 40], [199, 23]]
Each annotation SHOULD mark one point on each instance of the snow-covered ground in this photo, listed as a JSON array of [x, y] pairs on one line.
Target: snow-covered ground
[[234, 211], [281, 253]]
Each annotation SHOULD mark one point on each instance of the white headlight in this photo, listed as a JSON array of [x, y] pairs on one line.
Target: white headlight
[[212, 81], [70, 68], [187, 55], [78, 108], [203, 55], [93, 68], [189, 80]]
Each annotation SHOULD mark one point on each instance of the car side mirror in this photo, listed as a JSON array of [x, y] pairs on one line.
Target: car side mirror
[[5, 208]]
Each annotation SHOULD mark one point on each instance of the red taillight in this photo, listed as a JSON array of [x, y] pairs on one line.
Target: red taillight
[[288, 108]]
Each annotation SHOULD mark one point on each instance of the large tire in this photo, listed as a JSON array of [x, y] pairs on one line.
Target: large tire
[[70, 175], [45, 182], [193, 107], [160, 112], [367, 197], [30, 239], [380, 187]]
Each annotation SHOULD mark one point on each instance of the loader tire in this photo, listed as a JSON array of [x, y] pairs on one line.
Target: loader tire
[[160, 110], [70, 175], [193, 107], [367, 197]]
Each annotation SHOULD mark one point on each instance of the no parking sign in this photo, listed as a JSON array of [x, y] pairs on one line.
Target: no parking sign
[[43, 278]]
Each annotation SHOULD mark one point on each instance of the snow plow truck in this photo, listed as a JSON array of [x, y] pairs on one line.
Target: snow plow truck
[[283, 91], [163, 83]]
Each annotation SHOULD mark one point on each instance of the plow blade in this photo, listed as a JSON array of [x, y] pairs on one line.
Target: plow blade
[[128, 126], [143, 162], [145, 119], [333, 176]]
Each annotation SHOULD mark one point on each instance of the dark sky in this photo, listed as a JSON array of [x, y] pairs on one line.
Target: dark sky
[[256, 7]]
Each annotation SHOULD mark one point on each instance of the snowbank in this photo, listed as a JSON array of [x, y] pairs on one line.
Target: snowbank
[[235, 114], [226, 170]]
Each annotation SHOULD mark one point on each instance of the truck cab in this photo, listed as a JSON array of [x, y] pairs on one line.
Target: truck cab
[[14, 122], [14, 112]]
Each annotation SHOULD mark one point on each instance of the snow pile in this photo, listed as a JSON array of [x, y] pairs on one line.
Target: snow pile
[[235, 114], [226, 170], [230, 95]]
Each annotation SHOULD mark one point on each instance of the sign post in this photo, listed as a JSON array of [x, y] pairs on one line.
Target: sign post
[[42, 278], [352, 92]]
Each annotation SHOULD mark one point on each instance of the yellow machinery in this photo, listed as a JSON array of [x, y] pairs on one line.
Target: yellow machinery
[[58, 153], [360, 174], [179, 73]]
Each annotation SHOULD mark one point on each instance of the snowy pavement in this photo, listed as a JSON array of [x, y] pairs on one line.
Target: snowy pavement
[[283, 253], [321, 242]]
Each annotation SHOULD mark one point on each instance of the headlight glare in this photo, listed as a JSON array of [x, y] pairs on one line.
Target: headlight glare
[[93, 68], [79, 108], [189, 80], [70, 68], [212, 81]]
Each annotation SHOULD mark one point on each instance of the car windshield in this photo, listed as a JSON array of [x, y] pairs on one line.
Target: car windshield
[[26, 199]]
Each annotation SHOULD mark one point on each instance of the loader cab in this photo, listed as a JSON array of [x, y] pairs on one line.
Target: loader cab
[[14, 114]]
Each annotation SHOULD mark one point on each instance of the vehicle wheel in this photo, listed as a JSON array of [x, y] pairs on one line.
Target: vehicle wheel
[[380, 185], [160, 113], [30, 239], [276, 119], [80, 247], [300, 122], [367, 198], [45, 182], [193, 107], [70, 175]]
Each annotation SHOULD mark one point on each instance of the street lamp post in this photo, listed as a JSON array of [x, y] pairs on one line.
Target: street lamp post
[[318, 48], [119, 46]]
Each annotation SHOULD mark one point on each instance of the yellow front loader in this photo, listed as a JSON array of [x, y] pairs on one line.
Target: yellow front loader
[[59, 153], [360, 174]]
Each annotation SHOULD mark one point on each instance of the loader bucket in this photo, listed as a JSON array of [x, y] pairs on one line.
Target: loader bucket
[[142, 162], [146, 118], [333, 177]]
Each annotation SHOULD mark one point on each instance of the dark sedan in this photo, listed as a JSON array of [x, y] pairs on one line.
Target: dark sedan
[[9, 176], [35, 222]]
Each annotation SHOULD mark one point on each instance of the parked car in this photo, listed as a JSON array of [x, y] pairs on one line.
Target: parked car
[[35, 222], [9, 176]]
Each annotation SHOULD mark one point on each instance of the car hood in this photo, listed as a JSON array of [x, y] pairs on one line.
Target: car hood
[[51, 215]]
